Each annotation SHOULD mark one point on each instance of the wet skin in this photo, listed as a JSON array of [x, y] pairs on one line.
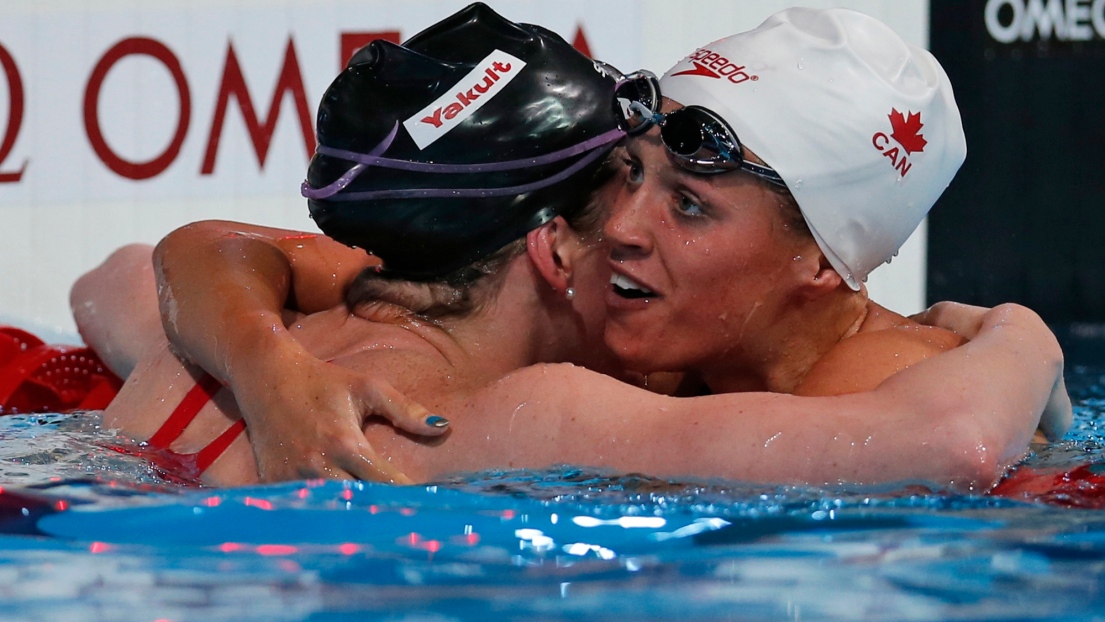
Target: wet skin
[[718, 257]]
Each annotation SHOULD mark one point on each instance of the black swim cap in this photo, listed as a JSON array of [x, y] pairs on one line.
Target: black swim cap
[[440, 151]]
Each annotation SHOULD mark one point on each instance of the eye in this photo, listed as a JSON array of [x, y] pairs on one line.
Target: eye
[[690, 206], [635, 173]]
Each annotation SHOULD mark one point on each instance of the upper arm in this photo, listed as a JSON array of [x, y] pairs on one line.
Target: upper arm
[[317, 269]]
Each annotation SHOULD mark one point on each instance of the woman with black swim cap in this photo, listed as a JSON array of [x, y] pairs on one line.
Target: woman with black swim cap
[[472, 327]]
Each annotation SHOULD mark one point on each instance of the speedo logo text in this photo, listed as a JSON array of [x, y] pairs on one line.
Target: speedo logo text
[[710, 64]]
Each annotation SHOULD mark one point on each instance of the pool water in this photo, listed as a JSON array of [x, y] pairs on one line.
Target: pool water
[[87, 533]]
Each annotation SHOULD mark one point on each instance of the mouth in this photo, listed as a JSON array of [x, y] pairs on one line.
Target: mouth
[[626, 287]]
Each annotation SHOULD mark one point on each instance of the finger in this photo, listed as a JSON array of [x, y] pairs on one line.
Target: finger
[[309, 464], [1058, 414], [962, 319], [310, 469], [285, 456], [367, 466], [380, 398]]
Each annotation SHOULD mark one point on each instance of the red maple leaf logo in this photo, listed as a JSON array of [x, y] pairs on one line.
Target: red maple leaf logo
[[907, 131]]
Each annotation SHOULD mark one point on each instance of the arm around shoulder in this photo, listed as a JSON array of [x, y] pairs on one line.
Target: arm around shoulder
[[956, 420], [224, 287]]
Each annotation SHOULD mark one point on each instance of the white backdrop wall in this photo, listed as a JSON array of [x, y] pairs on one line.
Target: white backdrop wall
[[123, 119]]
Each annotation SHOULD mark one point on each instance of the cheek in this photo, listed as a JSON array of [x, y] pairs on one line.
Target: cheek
[[723, 282]]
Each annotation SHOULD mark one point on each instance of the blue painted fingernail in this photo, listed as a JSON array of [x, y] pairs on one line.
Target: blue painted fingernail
[[437, 422]]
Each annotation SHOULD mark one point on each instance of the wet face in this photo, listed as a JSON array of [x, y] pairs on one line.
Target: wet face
[[700, 263]]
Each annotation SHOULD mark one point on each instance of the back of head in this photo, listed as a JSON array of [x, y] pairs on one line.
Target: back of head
[[862, 126], [436, 153]]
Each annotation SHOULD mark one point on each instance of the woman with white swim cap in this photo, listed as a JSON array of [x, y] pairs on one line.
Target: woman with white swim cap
[[768, 173], [921, 423]]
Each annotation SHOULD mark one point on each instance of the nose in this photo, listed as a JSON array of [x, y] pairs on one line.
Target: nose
[[626, 228]]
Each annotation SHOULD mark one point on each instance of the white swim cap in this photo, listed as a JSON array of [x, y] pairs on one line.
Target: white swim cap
[[862, 126]]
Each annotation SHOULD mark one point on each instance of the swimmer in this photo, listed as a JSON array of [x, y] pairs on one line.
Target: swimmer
[[783, 165], [471, 321]]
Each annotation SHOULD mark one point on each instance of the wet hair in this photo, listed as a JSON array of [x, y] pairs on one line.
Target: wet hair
[[469, 289], [791, 212]]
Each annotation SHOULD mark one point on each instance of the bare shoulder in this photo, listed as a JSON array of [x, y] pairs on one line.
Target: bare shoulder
[[563, 382], [863, 361]]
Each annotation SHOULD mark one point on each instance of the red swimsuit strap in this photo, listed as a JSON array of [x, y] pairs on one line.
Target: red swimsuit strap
[[183, 415], [206, 388], [209, 454]]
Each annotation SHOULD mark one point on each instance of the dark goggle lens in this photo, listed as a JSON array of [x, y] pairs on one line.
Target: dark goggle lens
[[682, 133], [632, 98]]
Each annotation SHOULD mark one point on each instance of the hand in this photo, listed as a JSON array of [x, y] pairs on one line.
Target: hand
[[961, 319], [308, 421], [1058, 415]]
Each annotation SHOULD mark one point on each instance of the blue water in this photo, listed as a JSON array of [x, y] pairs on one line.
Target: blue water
[[102, 537]]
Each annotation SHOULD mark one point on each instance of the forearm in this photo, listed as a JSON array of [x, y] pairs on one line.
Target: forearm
[[221, 296], [956, 420], [223, 287]]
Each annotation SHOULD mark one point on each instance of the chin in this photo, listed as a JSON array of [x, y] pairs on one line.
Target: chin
[[634, 356]]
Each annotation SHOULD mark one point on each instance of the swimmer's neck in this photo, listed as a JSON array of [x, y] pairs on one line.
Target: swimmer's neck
[[779, 360], [524, 323]]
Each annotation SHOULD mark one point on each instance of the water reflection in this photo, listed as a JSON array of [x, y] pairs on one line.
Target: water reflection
[[103, 534]]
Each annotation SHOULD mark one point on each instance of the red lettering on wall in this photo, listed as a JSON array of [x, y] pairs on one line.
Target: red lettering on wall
[[15, 115], [579, 42], [353, 41], [233, 84], [128, 47]]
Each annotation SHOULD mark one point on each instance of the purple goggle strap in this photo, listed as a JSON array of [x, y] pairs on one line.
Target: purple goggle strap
[[372, 158]]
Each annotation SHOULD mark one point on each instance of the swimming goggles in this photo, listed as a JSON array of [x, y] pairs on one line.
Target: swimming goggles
[[697, 137]]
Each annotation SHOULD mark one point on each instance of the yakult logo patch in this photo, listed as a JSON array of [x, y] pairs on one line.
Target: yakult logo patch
[[710, 64], [906, 132], [466, 97]]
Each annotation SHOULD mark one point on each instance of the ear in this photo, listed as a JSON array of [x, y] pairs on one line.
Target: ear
[[548, 249], [817, 278]]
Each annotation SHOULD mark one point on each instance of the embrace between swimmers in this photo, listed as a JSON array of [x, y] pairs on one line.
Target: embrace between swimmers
[[521, 237]]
